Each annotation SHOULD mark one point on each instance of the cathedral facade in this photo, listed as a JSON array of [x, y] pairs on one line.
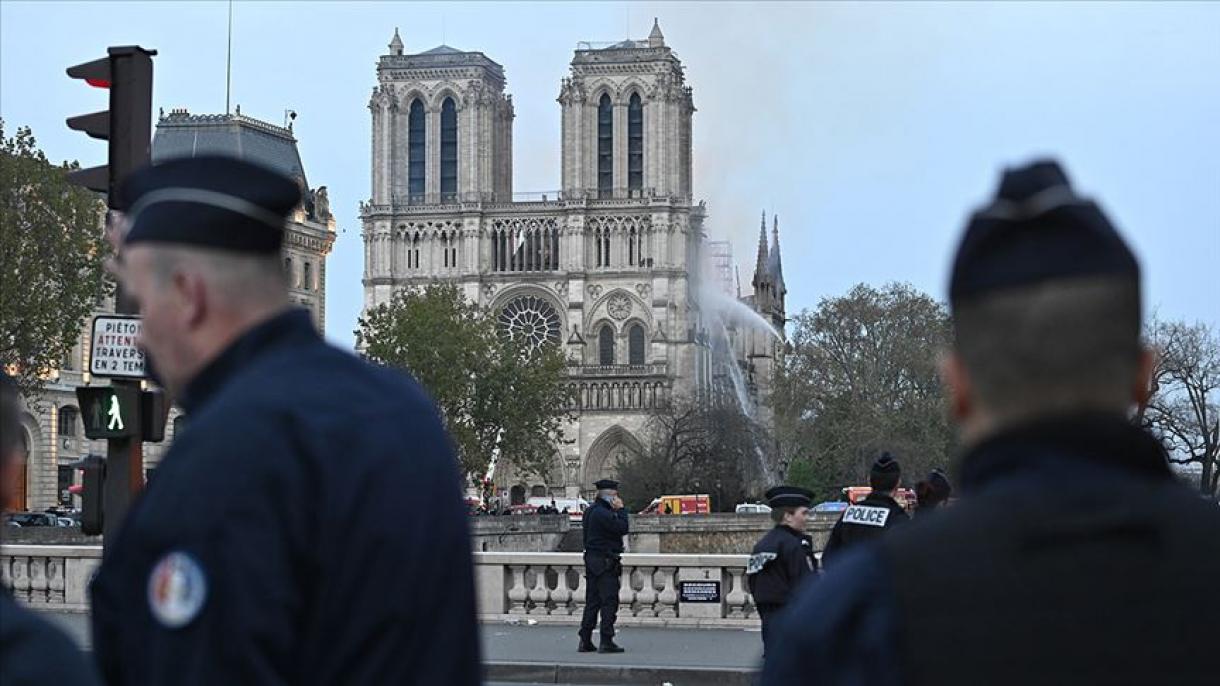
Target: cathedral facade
[[610, 267]]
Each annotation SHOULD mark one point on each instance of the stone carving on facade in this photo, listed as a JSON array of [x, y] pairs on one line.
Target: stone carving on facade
[[643, 289], [594, 290], [619, 306], [321, 204], [489, 290], [561, 287]]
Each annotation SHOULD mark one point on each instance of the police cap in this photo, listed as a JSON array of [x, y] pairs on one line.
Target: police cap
[[209, 202], [789, 496], [1037, 229], [886, 464], [605, 484]]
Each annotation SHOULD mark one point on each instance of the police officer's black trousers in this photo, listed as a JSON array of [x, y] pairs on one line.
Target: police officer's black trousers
[[601, 595], [767, 614]]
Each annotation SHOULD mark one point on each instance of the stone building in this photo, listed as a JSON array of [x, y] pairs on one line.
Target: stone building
[[54, 434], [609, 266]]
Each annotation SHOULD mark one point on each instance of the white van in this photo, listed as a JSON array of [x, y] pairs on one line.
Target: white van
[[576, 506], [752, 508]]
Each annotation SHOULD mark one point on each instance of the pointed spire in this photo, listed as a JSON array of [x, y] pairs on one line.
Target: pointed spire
[[656, 39], [776, 264], [396, 43], [761, 267]]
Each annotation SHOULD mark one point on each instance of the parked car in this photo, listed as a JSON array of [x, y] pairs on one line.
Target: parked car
[[752, 508], [29, 519], [833, 506], [576, 506]]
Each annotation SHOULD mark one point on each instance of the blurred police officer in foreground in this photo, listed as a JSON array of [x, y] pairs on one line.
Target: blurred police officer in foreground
[[1073, 554], [782, 558], [32, 652], [873, 515], [604, 524], [307, 526]]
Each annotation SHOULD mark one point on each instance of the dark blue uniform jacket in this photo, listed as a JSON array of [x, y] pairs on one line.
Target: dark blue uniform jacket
[[319, 497], [780, 561], [33, 653], [604, 528], [1073, 556]]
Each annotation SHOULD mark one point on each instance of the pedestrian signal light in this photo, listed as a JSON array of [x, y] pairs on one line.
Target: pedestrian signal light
[[109, 411], [93, 473]]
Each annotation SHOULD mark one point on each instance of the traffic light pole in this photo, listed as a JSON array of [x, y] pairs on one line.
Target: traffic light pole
[[127, 73], [124, 456]]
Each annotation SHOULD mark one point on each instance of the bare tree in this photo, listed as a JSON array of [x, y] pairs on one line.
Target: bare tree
[[1184, 409]]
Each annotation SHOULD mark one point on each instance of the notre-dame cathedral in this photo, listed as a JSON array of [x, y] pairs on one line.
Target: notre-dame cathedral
[[615, 266]]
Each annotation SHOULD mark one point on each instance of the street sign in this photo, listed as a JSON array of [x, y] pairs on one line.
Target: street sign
[[114, 351], [699, 591], [109, 411]]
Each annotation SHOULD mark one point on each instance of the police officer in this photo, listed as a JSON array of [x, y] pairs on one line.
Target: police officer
[[932, 493], [782, 558], [307, 527], [1073, 554], [872, 516], [605, 524], [32, 652]]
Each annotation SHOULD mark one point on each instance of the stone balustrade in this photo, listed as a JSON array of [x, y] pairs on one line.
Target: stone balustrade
[[550, 588], [545, 587], [50, 575]]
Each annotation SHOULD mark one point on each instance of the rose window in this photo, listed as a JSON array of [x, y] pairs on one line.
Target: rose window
[[531, 317]]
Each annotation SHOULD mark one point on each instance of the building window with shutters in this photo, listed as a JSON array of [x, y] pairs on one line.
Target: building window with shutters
[[449, 150], [415, 151], [635, 143], [605, 146], [67, 421]]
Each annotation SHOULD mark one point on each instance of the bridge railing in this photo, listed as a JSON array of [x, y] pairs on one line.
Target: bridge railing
[[550, 588], [52, 576], [511, 586]]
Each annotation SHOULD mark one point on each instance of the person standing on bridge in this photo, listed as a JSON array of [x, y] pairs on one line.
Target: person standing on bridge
[[32, 652], [605, 523], [1074, 556], [276, 545], [783, 558], [872, 516]]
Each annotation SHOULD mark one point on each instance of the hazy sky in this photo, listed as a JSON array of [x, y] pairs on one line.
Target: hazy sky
[[870, 128]]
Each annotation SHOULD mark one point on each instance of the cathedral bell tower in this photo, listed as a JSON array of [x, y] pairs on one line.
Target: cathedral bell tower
[[442, 128], [626, 121]]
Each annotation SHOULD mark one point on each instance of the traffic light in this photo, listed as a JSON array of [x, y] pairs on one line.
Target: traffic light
[[154, 411], [93, 468], [109, 411], [127, 73], [123, 411]]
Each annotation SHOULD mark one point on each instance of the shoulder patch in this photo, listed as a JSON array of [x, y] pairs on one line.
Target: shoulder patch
[[177, 589], [758, 561], [866, 515]]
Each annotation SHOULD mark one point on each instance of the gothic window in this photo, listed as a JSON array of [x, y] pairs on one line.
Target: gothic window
[[635, 345], [413, 260], [531, 317], [67, 420], [605, 345], [307, 277], [415, 151], [288, 271], [526, 245], [632, 246], [449, 149], [635, 143], [605, 145]]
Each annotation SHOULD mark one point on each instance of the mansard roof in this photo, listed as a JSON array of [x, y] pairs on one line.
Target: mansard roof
[[182, 134]]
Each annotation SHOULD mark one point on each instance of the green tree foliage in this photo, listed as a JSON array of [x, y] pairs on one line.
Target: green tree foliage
[[484, 382], [861, 377], [51, 259]]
